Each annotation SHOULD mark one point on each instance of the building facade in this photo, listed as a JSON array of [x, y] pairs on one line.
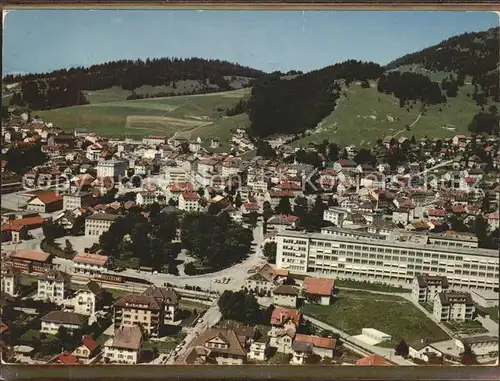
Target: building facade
[[53, 286], [390, 260], [426, 287], [453, 306], [98, 223]]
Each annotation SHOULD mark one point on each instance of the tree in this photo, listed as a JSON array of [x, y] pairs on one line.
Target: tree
[[238, 202], [239, 306], [269, 251], [283, 206], [69, 251], [402, 349], [252, 219], [267, 212], [51, 231], [468, 356]]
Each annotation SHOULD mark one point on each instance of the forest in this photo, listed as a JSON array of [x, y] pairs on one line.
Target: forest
[[50, 90], [294, 105]]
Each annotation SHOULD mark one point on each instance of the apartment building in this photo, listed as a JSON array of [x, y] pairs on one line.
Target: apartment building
[[153, 309], [335, 215], [426, 287], [396, 259], [98, 223], [11, 280], [87, 263], [190, 202], [453, 306], [125, 346], [174, 174], [77, 200], [53, 286], [111, 168]]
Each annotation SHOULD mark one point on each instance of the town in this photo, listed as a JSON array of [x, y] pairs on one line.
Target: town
[[156, 251]]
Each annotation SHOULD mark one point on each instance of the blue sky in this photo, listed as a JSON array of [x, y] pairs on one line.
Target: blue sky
[[44, 40]]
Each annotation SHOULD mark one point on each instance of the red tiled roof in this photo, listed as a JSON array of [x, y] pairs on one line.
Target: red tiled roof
[[317, 341], [249, 205], [3, 327], [373, 360], [93, 259], [49, 197], [493, 216], [437, 212], [280, 314], [190, 196], [17, 225], [4, 163], [90, 343], [181, 187], [319, 286], [66, 358], [289, 186], [30, 255]]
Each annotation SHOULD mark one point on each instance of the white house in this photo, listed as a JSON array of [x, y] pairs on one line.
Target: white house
[[111, 168], [87, 263], [125, 346], [190, 201], [285, 295], [10, 280], [335, 215], [51, 322], [453, 306], [258, 349], [145, 197], [53, 286]]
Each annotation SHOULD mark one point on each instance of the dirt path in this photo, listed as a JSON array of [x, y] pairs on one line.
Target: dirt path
[[410, 126]]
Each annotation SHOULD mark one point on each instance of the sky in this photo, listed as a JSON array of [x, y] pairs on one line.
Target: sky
[[45, 40]]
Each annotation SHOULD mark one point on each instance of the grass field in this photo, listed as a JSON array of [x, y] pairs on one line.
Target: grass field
[[200, 114], [354, 310], [365, 115]]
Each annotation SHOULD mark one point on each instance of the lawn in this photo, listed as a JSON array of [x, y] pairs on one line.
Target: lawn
[[493, 312], [365, 115], [382, 287], [28, 279], [162, 346], [136, 118], [189, 305], [468, 328], [354, 310]]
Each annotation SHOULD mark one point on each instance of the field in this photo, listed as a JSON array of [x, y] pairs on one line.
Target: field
[[364, 115], [354, 310], [192, 115]]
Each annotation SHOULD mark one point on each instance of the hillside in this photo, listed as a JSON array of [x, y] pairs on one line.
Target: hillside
[[193, 115], [124, 79]]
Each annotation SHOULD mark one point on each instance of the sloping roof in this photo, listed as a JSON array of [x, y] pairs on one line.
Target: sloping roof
[[56, 275], [127, 338], [103, 216], [148, 301], [30, 255], [282, 219], [166, 295], [227, 335], [91, 259], [302, 346], [319, 286], [48, 197], [29, 222], [285, 290], [65, 358], [373, 360], [317, 341], [266, 273], [63, 317], [280, 315], [90, 343]]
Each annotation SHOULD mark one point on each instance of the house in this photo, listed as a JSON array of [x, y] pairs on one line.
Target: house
[[453, 306], [114, 169], [87, 263], [249, 207], [52, 321], [217, 345], [11, 280], [335, 215], [424, 351], [168, 298], [485, 348], [53, 286], [145, 197], [345, 165], [153, 309], [285, 295], [373, 360], [190, 202], [64, 358], [30, 261], [318, 290], [304, 345], [266, 278], [47, 202], [402, 216], [259, 349], [87, 300], [154, 140], [125, 346], [18, 229], [493, 220], [284, 323], [426, 287], [282, 222], [98, 223], [76, 200], [87, 349]]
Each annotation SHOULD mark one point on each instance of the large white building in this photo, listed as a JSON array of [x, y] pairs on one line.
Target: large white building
[[190, 202], [397, 259], [111, 168], [87, 263], [53, 286], [453, 306], [98, 223]]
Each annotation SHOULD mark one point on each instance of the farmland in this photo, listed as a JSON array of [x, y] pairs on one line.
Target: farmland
[[364, 115], [137, 118]]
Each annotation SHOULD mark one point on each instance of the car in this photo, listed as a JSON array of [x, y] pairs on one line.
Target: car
[[200, 321]]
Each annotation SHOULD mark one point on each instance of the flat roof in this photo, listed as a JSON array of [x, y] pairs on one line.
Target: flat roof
[[404, 245]]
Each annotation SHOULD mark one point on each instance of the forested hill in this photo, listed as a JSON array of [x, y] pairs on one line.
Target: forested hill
[[64, 87], [291, 106]]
